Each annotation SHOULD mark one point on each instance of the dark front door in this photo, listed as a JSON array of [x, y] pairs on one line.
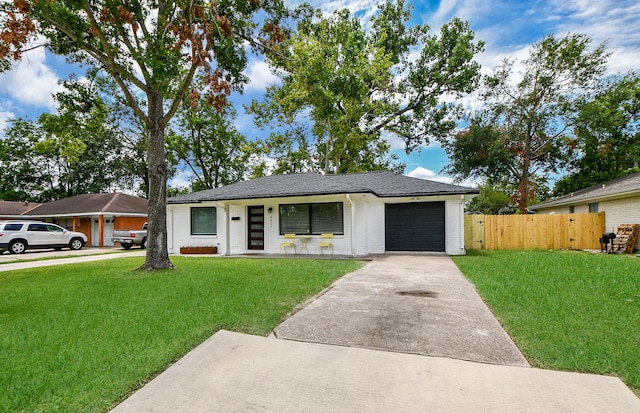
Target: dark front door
[[415, 227], [256, 227]]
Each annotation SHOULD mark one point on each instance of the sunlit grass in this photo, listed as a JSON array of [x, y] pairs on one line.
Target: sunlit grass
[[79, 338], [566, 310]]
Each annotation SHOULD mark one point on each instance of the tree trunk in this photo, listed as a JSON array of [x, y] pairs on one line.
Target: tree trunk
[[523, 187], [157, 251]]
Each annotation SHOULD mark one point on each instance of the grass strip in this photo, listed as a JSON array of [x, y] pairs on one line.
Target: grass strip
[[565, 310], [82, 337]]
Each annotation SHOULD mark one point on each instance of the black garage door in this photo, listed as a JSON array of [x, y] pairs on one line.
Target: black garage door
[[414, 227]]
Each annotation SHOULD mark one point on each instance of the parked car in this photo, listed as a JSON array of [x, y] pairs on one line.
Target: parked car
[[19, 236], [130, 237]]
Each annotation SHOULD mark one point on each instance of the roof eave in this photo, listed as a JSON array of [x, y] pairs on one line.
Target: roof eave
[[303, 194], [572, 201]]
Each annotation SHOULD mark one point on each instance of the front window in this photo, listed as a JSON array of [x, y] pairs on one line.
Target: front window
[[593, 207], [312, 218], [203, 221]]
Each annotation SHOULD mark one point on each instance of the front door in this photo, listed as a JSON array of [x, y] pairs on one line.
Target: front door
[[256, 227]]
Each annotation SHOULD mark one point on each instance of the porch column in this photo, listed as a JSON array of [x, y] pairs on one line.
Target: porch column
[[353, 225], [227, 235], [100, 231], [75, 224]]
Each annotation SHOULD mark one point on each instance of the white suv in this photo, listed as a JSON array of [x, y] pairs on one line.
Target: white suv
[[19, 236]]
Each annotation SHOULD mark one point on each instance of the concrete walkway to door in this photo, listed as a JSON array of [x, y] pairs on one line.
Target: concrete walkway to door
[[418, 304]]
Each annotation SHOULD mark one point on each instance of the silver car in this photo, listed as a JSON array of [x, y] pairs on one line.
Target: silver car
[[19, 236]]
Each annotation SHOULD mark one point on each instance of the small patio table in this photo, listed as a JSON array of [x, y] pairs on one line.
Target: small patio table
[[303, 243]]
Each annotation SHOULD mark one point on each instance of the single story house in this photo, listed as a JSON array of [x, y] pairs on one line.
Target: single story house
[[95, 215], [619, 199], [367, 213]]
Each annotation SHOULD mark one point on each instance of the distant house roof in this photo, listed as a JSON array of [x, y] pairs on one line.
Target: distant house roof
[[628, 185], [10, 208], [111, 203], [381, 184]]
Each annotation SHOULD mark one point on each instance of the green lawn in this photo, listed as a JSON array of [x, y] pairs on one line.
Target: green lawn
[[80, 338], [566, 310]]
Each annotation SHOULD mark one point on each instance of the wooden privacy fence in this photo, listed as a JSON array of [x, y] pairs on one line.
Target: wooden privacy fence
[[528, 232]]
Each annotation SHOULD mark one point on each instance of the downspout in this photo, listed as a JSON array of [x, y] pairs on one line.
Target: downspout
[[461, 215], [353, 226]]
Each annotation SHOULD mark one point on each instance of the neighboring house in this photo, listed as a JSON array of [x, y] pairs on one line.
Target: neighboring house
[[619, 199], [368, 213], [14, 209], [95, 215]]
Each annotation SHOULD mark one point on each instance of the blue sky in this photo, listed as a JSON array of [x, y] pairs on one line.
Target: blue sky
[[507, 27]]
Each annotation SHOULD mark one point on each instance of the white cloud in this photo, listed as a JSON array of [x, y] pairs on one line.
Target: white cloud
[[260, 76], [614, 22], [428, 174], [424, 173], [182, 178], [31, 81]]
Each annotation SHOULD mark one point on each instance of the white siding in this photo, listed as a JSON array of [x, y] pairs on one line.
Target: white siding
[[179, 228], [367, 237]]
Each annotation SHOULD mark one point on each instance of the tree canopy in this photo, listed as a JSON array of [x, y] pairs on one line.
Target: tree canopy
[[523, 131], [346, 90], [207, 142], [607, 135], [76, 151], [152, 51]]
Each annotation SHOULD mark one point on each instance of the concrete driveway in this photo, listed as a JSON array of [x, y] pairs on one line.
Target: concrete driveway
[[410, 304], [412, 307]]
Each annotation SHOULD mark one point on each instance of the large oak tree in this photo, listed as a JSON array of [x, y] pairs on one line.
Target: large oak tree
[[152, 50]]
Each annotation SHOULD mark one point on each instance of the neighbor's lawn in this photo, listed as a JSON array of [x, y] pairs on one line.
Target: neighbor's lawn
[[566, 310], [79, 338]]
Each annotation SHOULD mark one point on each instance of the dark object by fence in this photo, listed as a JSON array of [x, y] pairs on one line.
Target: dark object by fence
[[606, 242]]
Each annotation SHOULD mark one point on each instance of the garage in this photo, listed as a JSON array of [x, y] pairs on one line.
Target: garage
[[415, 227]]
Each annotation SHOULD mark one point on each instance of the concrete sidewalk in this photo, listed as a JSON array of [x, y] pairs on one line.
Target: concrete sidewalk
[[63, 257], [395, 305], [233, 372]]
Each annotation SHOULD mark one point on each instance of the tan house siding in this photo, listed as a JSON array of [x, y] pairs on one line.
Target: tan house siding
[[622, 211], [617, 212]]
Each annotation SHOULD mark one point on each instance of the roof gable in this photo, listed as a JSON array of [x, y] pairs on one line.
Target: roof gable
[[381, 184], [619, 187]]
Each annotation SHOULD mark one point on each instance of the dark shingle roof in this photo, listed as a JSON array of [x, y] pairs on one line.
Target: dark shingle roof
[[625, 184], [15, 207], [381, 184], [94, 203]]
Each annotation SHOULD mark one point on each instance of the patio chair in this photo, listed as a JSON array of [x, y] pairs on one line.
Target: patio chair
[[326, 241], [289, 241]]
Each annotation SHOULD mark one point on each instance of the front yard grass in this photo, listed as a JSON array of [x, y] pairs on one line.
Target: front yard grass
[[80, 338], [565, 310]]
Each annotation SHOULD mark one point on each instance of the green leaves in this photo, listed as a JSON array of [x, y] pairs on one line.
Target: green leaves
[[359, 88], [522, 132], [607, 135]]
